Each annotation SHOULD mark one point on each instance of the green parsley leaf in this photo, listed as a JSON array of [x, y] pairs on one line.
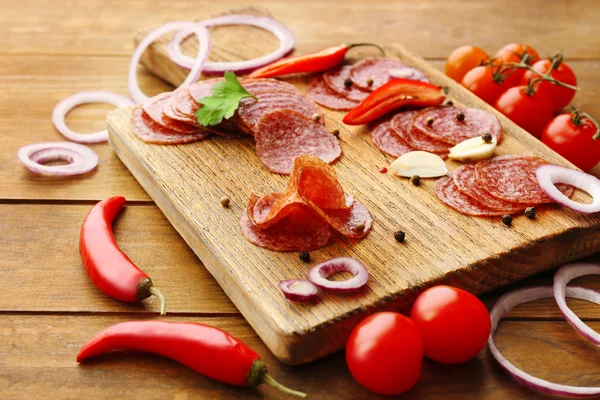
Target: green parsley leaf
[[225, 99]]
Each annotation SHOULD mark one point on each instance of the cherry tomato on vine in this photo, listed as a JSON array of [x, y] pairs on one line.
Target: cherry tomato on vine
[[572, 136], [514, 53], [480, 81], [464, 59], [559, 96], [530, 110], [454, 323], [385, 353]]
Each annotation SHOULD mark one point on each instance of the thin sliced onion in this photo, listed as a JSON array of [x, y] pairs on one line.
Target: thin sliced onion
[[510, 301], [319, 274], [549, 175], [64, 106], [561, 279], [81, 159], [196, 67], [408, 73], [285, 36], [298, 290]]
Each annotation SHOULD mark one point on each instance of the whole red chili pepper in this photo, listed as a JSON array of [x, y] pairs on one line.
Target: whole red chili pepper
[[205, 349], [393, 95], [315, 62], [109, 268]]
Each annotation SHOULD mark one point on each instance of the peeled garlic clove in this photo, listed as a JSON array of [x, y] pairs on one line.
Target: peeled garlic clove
[[473, 149], [421, 163]]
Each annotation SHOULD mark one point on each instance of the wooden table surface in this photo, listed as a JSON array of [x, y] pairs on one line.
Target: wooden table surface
[[48, 306]]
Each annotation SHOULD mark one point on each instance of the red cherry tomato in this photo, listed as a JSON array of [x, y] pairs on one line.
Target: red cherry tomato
[[455, 324], [559, 96], [515, 52], [462, 60], [572, 136], [480, 81], [530, 111], [385, 353]]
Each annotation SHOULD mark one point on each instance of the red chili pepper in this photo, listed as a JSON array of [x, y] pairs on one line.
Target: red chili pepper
[[393, 95], [315, 62], [205, 349], [109, 268]]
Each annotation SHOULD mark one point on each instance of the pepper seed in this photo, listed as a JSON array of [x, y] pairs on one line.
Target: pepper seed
[[460, 116], [335, 132], [449, 103], [225, 201], [348, 83], [304, 256], [429, 120], [530, 212], [415, 180], [507, 219], [316, 117], [487, 137], [399, 236], [370, 81], [360, 227]]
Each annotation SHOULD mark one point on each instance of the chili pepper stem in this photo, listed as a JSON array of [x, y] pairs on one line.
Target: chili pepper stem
[[258, 375], [268, 380], [163, 302]]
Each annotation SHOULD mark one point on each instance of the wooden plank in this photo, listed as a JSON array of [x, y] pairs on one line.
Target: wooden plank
[[37, 360], [187, 181], [433, 27], [42, 270]]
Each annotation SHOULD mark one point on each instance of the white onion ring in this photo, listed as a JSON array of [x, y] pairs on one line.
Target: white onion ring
[[548, 175], [64, 106], [285, 36], [510, 301], [561, 279], [319, 274], [81, 159], [196, 68]]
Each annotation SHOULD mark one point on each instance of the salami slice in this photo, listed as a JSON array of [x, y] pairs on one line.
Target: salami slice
[[448, 193], [300, 230], [182, 107], [202, 89], [465, 179], [283, 135], [512, 178], [319, 92], [354, 223], [377, 69], [336, 80], [151, 132], [386, 140], [402, 124], [443, 124], [154, 109]]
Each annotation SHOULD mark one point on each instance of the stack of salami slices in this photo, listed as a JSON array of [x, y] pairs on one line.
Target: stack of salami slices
[[302, 217], [434, 129], [282, 122], [496, 186]]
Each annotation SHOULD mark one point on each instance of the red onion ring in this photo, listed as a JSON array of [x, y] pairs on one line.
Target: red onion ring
[[64, 106], [319, 274], [285, 36], [561, 279], [81, 159], [510, 301], [549, 175], [196, 68], [298, 290]]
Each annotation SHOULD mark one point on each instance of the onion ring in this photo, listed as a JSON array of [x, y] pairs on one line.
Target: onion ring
[[548, 175], [285, 36], [510, 301], [64, 106], [81, 158], [196, 69], [319, 274], [299, 290]]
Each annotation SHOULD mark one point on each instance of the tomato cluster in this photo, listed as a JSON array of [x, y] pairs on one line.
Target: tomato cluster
[[529, 91], [385, 351]]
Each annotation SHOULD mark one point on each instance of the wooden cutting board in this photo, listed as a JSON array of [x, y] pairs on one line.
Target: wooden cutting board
[[442, 246]]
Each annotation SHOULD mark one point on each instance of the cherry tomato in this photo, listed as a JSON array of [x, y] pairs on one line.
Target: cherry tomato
[[454, 323], [572, 136], [514, 52], [480, 81], [559, 96], [464, 59], [385, 353], [530, 111]]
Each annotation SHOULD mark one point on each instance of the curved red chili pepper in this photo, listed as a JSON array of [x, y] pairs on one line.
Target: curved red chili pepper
[[323, 60], [393, 95], [109, 268], [205, 349]]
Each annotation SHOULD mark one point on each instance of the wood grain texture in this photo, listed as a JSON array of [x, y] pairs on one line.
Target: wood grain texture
[[442, 246]]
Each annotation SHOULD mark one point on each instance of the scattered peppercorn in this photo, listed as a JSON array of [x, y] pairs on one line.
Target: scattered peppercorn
[[415, 180], [225, 201], [429, 120], [316, 117], [360, 227], [383, 170], [304, 256], [487, 137], [507, 219], [449, 103], [460, 116], [335, 132], [370, 81], [399, 236], [530, 212], [348, 83]]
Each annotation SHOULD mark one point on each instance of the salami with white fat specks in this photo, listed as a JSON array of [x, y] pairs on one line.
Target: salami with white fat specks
[[149, 131], [319, 92], [336, 79], [283, 135], [375, 69], [402, 124], [447, 191], [453, 125], [386, 140], [154, 107]]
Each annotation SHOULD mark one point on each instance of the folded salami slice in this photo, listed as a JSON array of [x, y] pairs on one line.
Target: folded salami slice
[[402, 124], [375, 69], [284, 134], [386, 140], [453, 125], [447, 191], [182, 107], [319, 92], [154, 107], [336, 79], [149, 131]]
